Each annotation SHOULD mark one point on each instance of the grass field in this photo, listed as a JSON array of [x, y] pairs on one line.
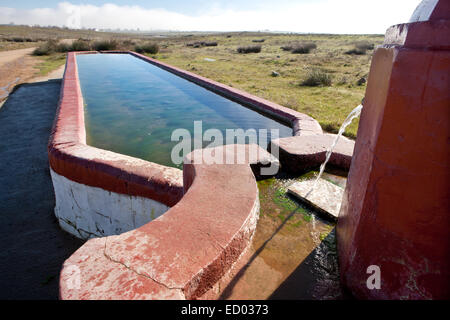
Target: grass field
[[272, 73], [256, 72], [49, 63]]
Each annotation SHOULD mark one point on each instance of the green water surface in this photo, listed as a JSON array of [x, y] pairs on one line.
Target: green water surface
[[132, 107]]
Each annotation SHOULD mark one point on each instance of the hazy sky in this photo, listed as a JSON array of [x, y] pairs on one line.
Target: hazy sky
[[321, 16]]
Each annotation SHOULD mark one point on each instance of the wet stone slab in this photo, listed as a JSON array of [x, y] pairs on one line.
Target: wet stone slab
[[326, 196]]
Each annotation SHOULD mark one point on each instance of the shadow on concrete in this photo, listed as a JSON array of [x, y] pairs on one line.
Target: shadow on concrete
[[32, 246]]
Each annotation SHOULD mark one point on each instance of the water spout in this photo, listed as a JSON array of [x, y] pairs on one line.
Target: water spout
[[352, 115]]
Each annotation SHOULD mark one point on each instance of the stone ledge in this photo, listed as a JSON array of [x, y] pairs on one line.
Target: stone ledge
[[181, 254], [300, 153]]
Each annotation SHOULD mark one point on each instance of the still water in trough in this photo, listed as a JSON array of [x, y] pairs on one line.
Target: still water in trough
[[132, 107]]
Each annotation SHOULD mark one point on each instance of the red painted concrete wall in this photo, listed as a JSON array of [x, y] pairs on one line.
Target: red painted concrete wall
[[396, 208]]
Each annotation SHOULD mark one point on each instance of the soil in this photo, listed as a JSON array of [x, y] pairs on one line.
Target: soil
[[16, 67]]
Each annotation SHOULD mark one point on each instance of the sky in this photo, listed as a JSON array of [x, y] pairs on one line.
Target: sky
[[315, 16]]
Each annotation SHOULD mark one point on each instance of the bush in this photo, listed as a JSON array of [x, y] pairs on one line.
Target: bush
[[356, 51], [201, 44], [63, 47], [128, 43], [259, 40], [317, 78], [41, 51], [300, 47], [361, 48], [303, 48], [52, 46], [47, 48], [80, 45], [106, 45], [249, 49], [363, 45], [152, 48]]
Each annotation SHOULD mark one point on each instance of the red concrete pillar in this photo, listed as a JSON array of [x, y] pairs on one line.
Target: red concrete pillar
[[396, 208]]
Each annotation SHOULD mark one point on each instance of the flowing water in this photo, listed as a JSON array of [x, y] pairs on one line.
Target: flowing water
[[352, 115]]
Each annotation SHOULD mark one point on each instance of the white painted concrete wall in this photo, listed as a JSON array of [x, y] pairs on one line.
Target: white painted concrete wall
[[88, 212]]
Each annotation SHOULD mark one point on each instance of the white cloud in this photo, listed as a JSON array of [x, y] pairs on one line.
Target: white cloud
[[327, 16]]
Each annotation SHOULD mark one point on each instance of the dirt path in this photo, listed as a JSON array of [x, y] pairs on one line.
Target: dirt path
[[9, 56], [16, 66]]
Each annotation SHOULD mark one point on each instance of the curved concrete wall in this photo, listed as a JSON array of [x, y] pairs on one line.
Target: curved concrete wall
[[181, 254]]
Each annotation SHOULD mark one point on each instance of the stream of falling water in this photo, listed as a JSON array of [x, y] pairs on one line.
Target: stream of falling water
[[321, 263], [352, 115]]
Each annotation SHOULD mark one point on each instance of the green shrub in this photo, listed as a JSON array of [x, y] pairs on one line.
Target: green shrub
[[49, 47], [317, 78], [63, 47], [286, 48], [106, 45], [201, 44], [249, 49], [41, 51], [128, 43], [80, 45], [361, 48], [152, 48], [258, 40], [355, 52], [303, 48], [53, 46], [364, 45]]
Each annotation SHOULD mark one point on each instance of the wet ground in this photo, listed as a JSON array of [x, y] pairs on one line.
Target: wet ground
[[32, 246], [293, 254]]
